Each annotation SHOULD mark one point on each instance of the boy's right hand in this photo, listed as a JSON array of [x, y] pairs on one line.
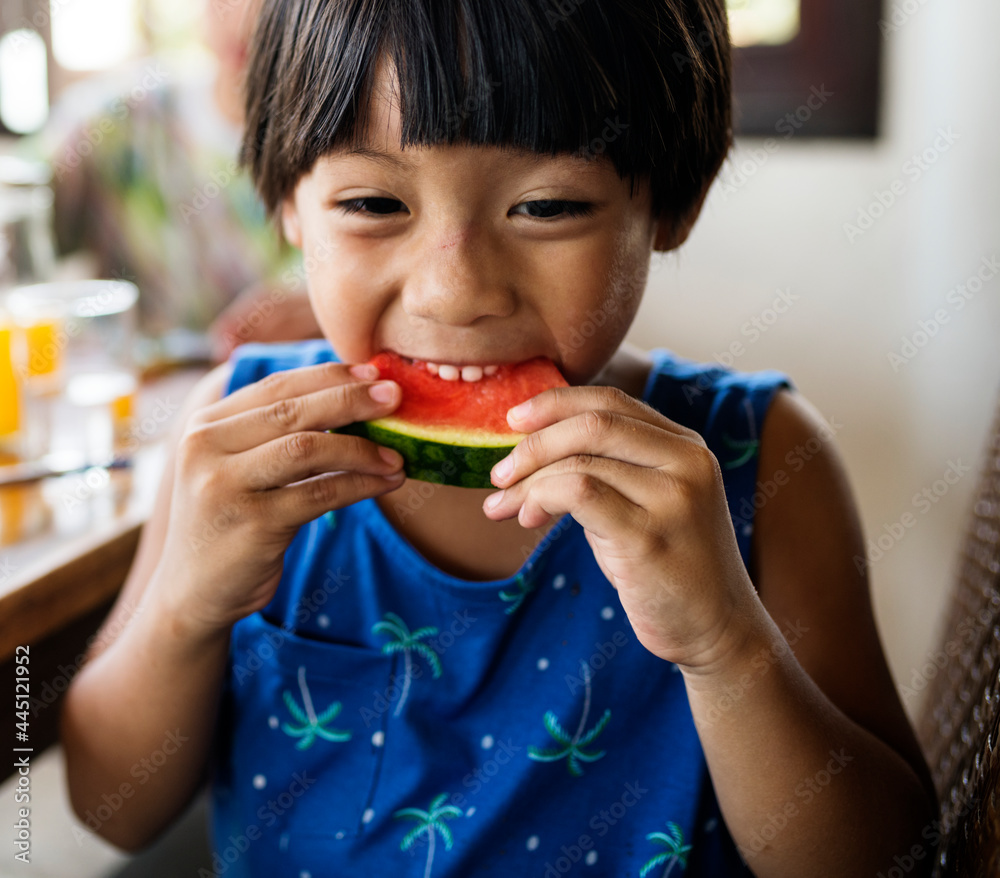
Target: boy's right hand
[[254, 467]]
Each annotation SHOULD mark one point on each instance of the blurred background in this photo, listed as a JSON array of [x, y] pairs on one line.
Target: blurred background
[[852, 240]]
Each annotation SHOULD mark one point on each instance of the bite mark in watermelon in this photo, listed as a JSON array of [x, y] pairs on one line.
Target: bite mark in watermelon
[[454, 432]]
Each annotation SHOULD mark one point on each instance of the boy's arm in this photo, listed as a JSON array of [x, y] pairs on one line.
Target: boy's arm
[[816, 768], [148, 691], [264, 461]]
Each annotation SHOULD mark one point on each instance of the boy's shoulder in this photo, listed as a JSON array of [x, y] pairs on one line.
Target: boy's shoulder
[[253, 361], [702, 395]]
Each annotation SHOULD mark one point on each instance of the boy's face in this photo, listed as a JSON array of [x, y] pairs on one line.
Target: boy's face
[[471, 255]]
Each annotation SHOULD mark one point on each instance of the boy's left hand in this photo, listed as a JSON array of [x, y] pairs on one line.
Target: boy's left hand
[[650, 497]]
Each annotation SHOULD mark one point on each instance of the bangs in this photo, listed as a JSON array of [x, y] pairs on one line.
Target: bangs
[[644, 83]]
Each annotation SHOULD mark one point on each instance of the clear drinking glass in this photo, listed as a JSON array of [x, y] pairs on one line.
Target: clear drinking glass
[[75, 364]]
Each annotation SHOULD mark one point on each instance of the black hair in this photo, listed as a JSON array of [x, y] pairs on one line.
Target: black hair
[[644, 82]]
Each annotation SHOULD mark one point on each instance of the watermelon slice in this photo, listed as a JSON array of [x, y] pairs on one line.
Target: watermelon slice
[[453, 432]]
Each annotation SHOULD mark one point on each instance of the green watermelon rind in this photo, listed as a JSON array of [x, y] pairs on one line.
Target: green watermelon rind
[[462, 465]]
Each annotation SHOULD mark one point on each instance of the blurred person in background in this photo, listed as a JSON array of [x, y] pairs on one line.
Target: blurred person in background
[[146, 179]]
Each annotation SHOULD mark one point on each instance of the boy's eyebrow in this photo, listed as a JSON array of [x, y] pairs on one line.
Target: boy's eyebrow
[[382, 158], [377, 155]]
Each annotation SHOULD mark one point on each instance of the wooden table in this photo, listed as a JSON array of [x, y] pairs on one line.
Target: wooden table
[[66, 545]]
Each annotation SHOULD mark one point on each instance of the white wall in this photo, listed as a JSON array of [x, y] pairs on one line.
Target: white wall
[[783, 227]]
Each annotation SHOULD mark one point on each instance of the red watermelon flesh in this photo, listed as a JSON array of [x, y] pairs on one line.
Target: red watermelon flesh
[[429, 400], [454, 432]]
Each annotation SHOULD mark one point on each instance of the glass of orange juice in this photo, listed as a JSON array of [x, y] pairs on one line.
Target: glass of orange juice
[[10, 392], [78, 363]]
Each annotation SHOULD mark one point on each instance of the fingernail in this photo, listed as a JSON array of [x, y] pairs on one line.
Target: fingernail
[[519, 412], [364, 371], [390, 456], [503, 469], [384, 391], [493, 500]]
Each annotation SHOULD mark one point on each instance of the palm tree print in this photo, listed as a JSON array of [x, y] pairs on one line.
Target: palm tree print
[[524, 587], [747, 448], [310, 726], [676, 851], [572, 747], [431, 823], [408, 643]]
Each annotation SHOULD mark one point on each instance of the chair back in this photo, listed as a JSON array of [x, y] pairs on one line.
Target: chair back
[[960, 721]]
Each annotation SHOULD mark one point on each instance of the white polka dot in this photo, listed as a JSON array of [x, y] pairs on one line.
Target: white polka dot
[[533, 843], [259, 782], [470, 811], [487, 742], [323, 620], [608, 613], [711, 824], [339, 835], [591, 858], [543, 663], [272, 722], [559, 581], [305, 875], [378, 739], [747, 529], [367, 816], [283, 841]]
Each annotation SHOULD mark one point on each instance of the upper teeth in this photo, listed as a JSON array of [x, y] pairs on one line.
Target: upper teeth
[[466, 373]]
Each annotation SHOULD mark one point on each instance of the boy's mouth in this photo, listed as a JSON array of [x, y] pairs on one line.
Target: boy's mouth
[[470, 372]]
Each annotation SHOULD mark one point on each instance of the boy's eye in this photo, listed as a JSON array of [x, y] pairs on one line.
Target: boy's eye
[[549, 209], [372, 206]]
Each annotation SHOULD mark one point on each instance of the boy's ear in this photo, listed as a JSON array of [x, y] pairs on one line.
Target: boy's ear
[[290, 224], [672, 231]]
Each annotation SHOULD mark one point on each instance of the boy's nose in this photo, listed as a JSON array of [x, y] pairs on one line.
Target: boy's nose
[[457, 278]]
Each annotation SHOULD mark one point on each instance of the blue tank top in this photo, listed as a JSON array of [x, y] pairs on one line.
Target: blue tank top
[[382, 717]]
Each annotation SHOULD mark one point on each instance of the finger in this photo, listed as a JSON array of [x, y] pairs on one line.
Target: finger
[[300, 503], [603, 433], [596, 505], [640, 488], [325, 409], [302, 455], [559, 403], [285, 385]]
